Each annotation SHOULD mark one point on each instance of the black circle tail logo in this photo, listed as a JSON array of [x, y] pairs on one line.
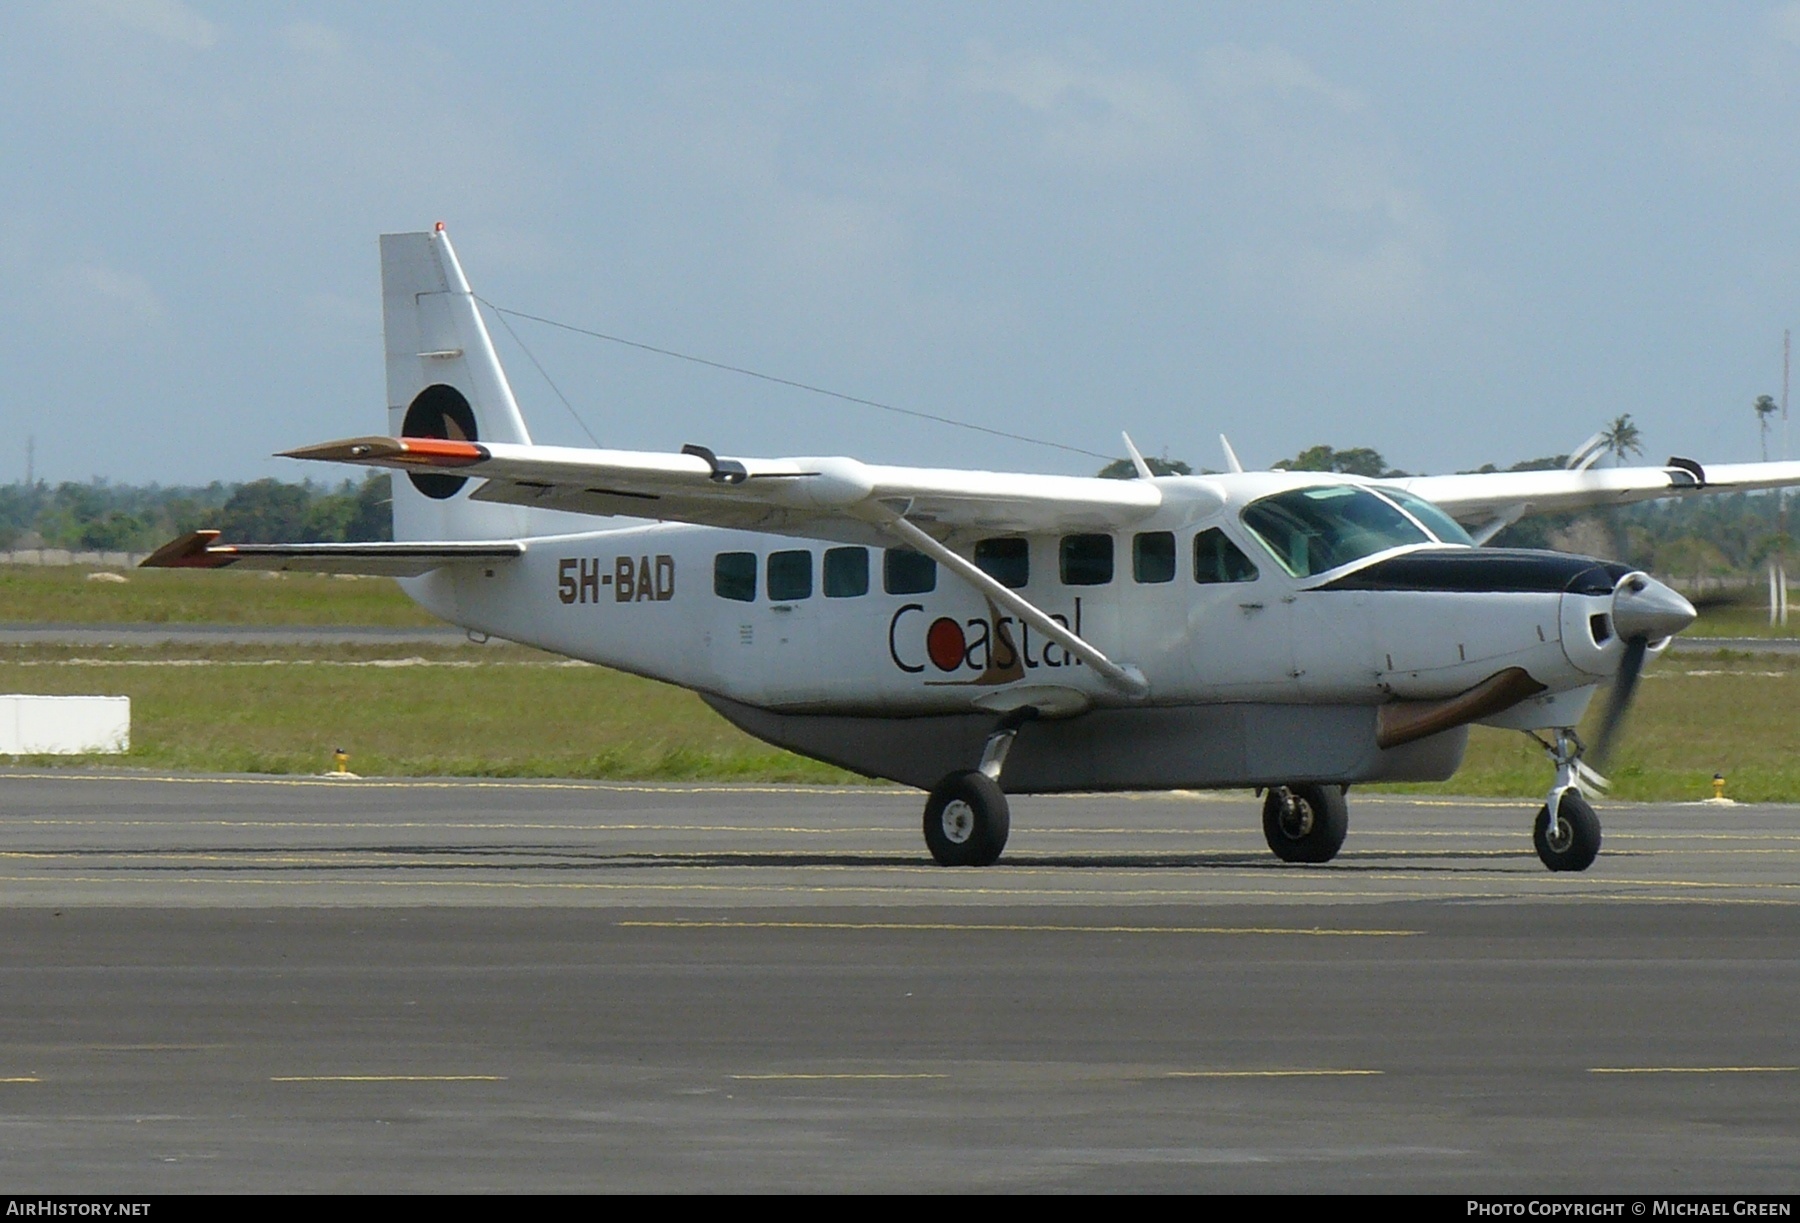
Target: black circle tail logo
[[439, 411]]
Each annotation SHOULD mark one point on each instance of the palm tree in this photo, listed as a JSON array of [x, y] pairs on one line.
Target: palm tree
[[1766, 407], [1621, 438]]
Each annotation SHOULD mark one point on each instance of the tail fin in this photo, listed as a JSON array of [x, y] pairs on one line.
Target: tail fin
[[444, 380]]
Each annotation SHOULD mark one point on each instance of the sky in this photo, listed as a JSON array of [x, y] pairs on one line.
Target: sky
[[1457, 233]]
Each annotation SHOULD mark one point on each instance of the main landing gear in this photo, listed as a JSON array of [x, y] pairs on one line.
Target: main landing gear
[[1305, 823], [966, 817], [1571, 840]]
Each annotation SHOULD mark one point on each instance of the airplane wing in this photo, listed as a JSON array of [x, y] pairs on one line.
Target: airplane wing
[[828, 498], [200, 550], [1509, 495]]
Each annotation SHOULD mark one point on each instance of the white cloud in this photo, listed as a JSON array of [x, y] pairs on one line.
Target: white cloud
[[1087, 111], [1234, 71], [1283, 180], [96, 297], [169, 20]]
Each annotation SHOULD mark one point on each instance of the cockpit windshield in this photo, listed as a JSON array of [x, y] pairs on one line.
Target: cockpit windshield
[[1435, 520], [1311, 530]]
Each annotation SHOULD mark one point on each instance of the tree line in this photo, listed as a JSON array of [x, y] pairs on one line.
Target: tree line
[[1700, 539], [103, 517]]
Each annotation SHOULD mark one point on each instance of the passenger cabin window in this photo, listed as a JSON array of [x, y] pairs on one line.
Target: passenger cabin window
[[905, 572], [1153, 557], [734, 576], [1086, 560], [1311, 530], [1006, 560], [846, 572], [1217, 559], [790, 576]]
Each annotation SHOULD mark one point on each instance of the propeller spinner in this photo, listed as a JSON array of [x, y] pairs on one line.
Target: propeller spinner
[[1644, 612]]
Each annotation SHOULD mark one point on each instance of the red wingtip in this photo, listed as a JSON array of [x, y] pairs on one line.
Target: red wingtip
[[439, 227]]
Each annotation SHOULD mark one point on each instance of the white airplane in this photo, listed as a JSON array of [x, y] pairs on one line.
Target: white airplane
[[965, 631]]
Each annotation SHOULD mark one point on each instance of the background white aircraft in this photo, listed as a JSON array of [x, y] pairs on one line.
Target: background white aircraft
[[963, 630]]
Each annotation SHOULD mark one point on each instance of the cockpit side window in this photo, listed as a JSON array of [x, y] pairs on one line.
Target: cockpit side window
[[1217, 559], [1311, 530]]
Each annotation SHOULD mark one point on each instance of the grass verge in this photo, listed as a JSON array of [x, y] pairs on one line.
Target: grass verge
[[496, 711], [506, 711]]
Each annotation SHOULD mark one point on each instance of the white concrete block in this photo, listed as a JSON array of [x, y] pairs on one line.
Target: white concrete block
[[64, 725]]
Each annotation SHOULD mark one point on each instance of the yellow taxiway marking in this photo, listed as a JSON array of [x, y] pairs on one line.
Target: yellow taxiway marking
[[1693, 1069], [22, 1078], [960, 926], [609, 889], [407, 783], [388, 1078], [1270, 1074], [761, 1077]]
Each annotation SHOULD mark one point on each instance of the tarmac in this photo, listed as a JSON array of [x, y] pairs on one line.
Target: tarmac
[[295, 985]]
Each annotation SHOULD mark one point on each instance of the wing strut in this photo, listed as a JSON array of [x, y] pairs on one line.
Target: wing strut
[[1127, 679]]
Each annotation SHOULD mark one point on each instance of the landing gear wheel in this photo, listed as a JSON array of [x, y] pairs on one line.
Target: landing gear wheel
[[1305, 823], [1573, 842], [966, 820]]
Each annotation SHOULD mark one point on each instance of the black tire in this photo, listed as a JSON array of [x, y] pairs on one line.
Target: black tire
[[1305, 823], [1575, 841], [966, 820]]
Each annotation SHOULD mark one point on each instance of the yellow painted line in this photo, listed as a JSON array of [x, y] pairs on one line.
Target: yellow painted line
[[1545, 889], [751, 1078], [1009, 927], [1270, 1074], [1693, 1069], [388, 1078], [403, 783], [22, 1078], [1545, 892]]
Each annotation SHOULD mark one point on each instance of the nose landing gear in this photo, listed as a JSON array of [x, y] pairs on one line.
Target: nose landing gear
[[1569, 840]]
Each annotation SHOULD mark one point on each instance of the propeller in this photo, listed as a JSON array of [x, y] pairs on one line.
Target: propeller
[[1644, 610]]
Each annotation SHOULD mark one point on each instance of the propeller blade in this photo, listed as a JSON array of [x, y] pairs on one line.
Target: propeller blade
[[1618, 704]]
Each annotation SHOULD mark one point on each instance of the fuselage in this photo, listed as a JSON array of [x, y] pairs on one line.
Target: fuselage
[[1213, 605]]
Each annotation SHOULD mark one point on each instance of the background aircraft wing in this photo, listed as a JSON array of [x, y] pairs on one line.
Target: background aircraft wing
[[201, 550], [1483, 497], [829, 498]]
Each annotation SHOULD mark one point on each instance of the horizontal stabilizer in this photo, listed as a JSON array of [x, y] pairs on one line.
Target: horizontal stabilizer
[[201, 550]]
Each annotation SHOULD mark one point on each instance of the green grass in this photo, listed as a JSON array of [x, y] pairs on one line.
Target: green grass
[[505, 711], [31, 594], [509, 711], [1734, 714], [1742, 620], [498, 711]]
